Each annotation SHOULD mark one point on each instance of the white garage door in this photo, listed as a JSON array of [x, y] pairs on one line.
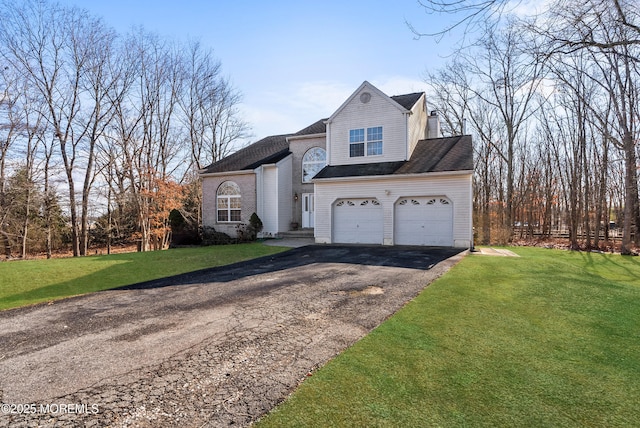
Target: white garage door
[[357, 221], [424, 221]]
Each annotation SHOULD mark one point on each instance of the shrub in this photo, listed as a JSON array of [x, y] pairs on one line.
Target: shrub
[[247, 233], [210, 236], [255, 225]]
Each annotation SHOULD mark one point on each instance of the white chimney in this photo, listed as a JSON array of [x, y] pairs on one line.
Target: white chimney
[[433, 125]]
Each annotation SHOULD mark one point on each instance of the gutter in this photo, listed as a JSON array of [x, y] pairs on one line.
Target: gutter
[[218, 174], [306, 136], [378, 177]]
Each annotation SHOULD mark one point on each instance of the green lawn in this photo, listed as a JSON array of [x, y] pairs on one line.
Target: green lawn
[[550, 339], [32, 281]]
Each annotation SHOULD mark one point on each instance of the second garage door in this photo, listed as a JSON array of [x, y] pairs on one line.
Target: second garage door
[[357, 221], [424, 220]]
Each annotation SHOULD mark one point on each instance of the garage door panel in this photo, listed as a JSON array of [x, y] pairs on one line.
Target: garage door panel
[[424, 220], [357, 221]]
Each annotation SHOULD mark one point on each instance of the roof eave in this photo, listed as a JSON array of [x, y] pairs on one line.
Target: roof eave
[[218, 174], [307, 136], [394, 176]]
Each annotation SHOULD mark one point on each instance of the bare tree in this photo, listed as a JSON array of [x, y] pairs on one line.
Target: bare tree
[[10, 125], [209, 108], [469, 16], [451, 94], [134, 116], [474, 16], [150, 142], [607, 33], [60, 52], [101, 85], [571, 26], [508, 81]]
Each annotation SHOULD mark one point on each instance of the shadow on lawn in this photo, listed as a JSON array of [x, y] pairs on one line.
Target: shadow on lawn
[[422, 258], [630, 265]]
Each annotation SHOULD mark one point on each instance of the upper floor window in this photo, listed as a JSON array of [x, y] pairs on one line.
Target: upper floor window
[[312, 162], [356, 142], [229, 202], [372, 142]]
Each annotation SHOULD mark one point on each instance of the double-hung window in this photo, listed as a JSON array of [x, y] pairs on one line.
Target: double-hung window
[[374, 141], [356, 142], [371, 140]]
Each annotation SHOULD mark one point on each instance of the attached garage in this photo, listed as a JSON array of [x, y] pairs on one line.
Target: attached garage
[[423, 201], [357, 221], [423, 220]]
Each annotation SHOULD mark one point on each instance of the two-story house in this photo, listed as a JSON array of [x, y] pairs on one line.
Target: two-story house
[[375, 172]]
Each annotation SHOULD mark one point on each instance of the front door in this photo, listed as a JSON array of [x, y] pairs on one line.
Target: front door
[[308, 202]]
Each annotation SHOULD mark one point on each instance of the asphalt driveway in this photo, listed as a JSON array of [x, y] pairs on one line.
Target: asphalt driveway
[[214, 347]]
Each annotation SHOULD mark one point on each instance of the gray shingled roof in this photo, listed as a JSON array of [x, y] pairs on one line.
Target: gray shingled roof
[[274, 148], [439, 155], [408, 100], [318, 127], [432, 155], [268, 150]]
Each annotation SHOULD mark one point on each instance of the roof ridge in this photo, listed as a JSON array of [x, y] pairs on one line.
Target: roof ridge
[[404, 95]]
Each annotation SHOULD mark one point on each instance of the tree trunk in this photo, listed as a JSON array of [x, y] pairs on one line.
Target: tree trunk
[[7, 244], [631, 192], [586, 196], [25, 227], [602, 200]]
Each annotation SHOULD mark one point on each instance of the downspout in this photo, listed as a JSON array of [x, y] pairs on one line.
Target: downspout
[[471, 237], [260, 191], [328, 143], [406, 136]]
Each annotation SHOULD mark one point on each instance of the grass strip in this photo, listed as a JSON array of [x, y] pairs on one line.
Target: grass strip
[[32, 281]]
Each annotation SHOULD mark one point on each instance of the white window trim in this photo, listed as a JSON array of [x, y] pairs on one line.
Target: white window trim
[[323, 163], [366, 142], [229, 208]]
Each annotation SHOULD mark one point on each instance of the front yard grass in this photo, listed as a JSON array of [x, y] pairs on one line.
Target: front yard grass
[[32, 281], [548, 339]]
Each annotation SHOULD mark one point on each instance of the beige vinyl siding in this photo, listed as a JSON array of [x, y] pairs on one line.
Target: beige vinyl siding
[[285, 193], [379, 111], [417, 125], [268, 199], [388, 190], [274, 196]]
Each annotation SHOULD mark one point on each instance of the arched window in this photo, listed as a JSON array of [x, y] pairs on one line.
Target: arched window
[[312, 162], [229, 202]]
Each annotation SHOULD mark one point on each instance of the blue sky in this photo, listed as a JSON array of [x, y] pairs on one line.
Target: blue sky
[[294, 61]]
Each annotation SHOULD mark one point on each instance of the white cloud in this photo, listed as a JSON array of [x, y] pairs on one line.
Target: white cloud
[[265, 120], [323, 97], [271, 113], [527, 8]]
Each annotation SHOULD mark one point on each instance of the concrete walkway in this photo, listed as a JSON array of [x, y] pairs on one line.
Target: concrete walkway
[[489, 251], [289, 242]]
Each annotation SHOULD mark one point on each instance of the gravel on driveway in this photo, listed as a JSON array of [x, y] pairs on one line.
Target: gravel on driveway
[[215, 347]]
